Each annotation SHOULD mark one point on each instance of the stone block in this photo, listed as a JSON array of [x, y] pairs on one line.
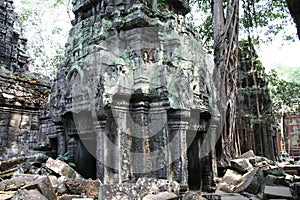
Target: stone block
[[79, 186], [276, 171], [226, 196], [43, 184], [29, 195], [16, 182], [82, 199], [231, 177], [68, 197], [160, 196], [248, 154], [242, 165], [62, 169], [61, 186], [8, 195], [54, 182], [270, 180], [8, 164], [250, 182], [277, 192]]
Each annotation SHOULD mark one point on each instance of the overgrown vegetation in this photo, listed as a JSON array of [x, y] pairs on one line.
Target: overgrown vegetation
[[46, 27]]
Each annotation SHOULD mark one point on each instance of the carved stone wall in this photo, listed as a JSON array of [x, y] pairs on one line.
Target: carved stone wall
[[131, 96], [21, 100]]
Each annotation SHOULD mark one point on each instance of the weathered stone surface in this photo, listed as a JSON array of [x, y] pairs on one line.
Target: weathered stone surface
[[160, 196], [29, 195], [43, 184], [54, 182], [22, 94], [276, 171], [61, 186], [249, 154], [225, 196], [242, 164], [7, 195], [231, 177], [62, 168], [78, 186], [250, 182], [8, 164], [134, 72], [141, 188], [68, 197], [12, 46], [270, 180], [277, 191], [17, 181]]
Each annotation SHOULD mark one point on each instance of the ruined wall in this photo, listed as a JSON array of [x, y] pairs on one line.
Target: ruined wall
[[131, 98], [21, 98], [13, 55], [256, 124]]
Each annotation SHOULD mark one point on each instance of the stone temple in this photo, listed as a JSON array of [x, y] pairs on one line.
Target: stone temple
[[131, 98]]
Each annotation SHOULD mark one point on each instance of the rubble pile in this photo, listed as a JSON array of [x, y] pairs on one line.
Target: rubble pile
[[249, 177], [255, 177], [40, 177]]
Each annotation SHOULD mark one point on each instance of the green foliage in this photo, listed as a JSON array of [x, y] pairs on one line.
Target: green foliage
[[285, 95], [161, 3], [45, 24], [66, 157], [260, 20]]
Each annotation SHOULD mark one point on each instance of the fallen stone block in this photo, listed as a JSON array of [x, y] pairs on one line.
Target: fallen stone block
[[259, 161], [43, 184], [162, 185], [225, 187], [54, 182], [61, 186], [160, 196], [276, 171], [79, 186], [270, 180], [242, 165], [29, 195], [8, 164], [248, 154], [277, 191], [82, 199], [231, 177], [250, 182], [17, 181], [7, 195], [68, 197], [225, 196], [62, 169]]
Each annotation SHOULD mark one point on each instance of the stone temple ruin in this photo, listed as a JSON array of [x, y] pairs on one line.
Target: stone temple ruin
[[130, 100], [21, 99]]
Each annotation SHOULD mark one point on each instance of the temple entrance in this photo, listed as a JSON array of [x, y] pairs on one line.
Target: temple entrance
[[194, 170], [198, 168], [84, 159]]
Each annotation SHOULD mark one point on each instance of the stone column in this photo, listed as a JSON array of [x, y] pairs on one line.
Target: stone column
[[100, 131], [178, 148]]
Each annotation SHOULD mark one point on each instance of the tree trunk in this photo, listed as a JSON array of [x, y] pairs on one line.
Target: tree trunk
[[224, 75]]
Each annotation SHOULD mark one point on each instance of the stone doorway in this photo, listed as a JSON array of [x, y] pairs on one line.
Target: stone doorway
[[198, 168]]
